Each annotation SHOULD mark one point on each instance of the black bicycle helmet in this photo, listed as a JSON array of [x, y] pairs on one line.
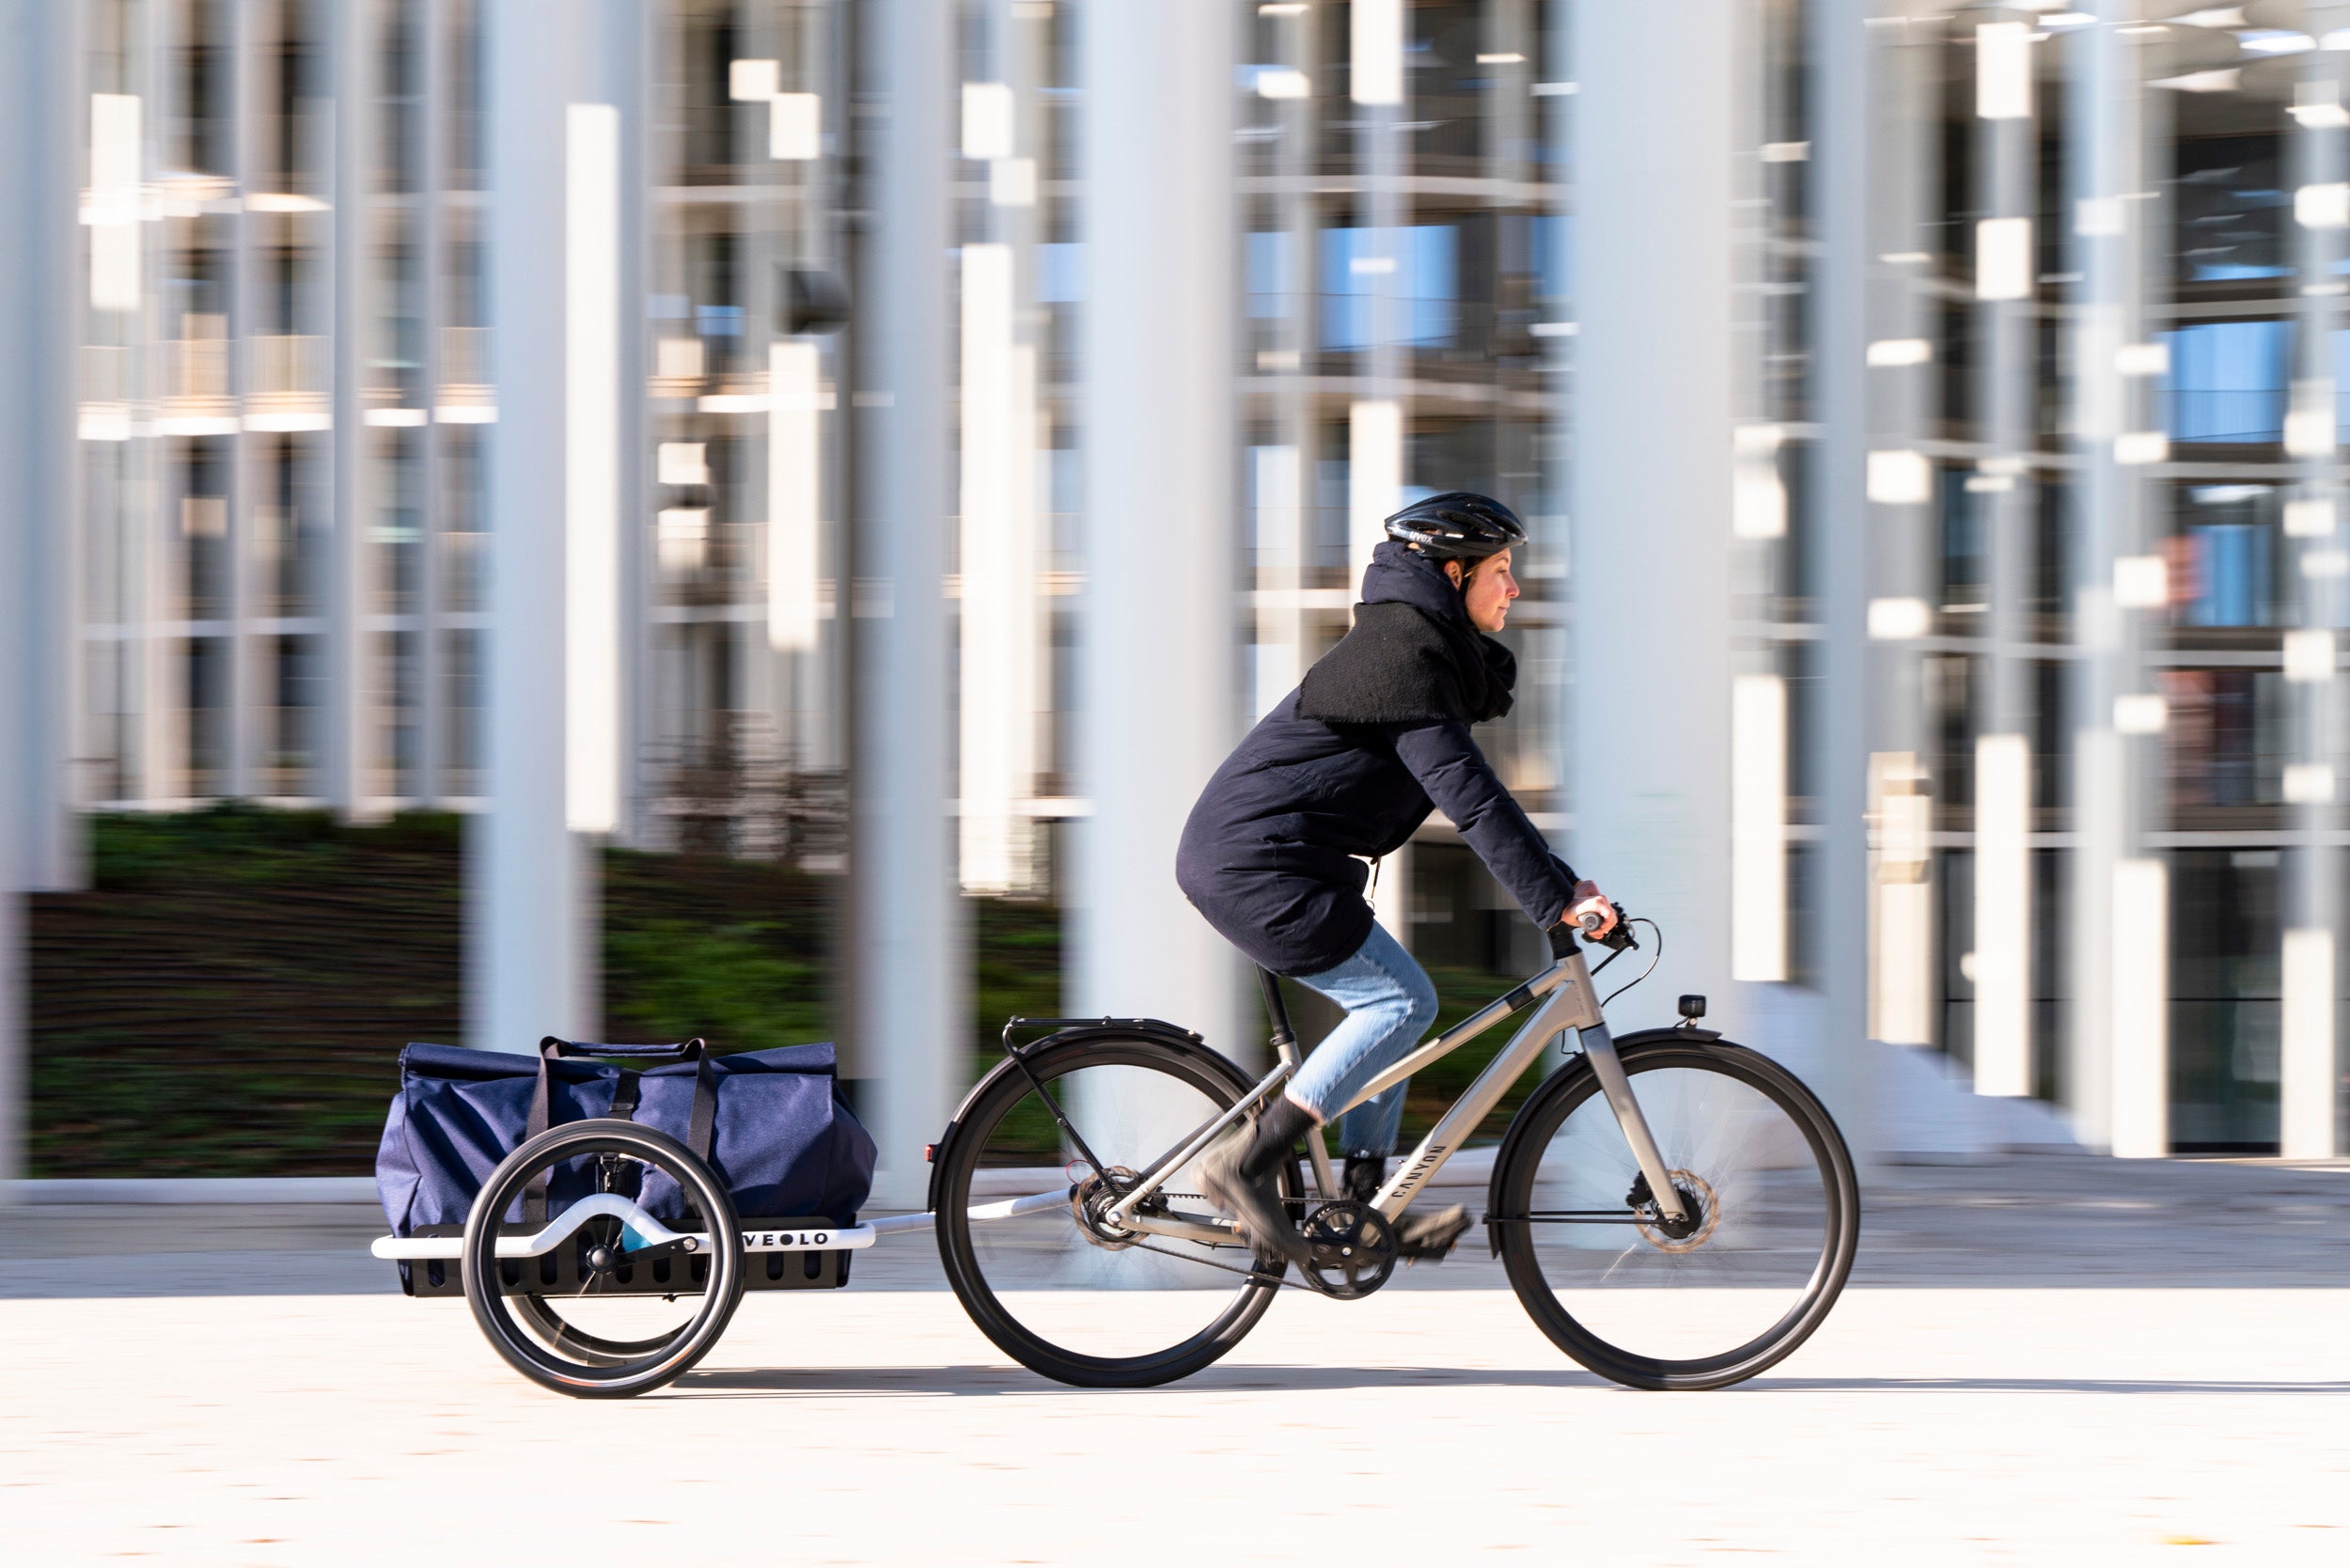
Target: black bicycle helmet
[[1458, 527]]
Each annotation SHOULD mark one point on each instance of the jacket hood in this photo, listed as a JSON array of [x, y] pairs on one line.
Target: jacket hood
[[1399, 574]]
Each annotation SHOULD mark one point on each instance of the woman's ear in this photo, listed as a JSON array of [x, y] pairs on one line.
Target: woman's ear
[[1453, 570]]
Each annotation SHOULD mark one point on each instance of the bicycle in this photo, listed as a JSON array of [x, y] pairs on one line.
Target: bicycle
[[1689, 1235]]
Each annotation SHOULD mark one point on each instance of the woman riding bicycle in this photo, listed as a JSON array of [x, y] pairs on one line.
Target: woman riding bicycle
[[1341, 771]]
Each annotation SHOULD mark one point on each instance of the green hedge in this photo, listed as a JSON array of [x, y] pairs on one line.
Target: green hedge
[[229, 997]]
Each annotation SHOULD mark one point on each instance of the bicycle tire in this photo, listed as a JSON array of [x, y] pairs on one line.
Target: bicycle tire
[[965, 1250], [1534, 1138], [598, 1367]]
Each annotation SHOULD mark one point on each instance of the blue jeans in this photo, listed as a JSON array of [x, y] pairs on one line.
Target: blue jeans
[[1390, 1004]]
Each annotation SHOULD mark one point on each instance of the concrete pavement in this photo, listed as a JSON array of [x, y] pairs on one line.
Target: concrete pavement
[[277, 1407]]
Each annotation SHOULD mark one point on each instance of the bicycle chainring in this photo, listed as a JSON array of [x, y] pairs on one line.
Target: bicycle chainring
[[1352, 1250]]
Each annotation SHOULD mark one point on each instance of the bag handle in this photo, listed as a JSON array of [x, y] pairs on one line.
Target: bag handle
[[686, 1051], [701, 1125]]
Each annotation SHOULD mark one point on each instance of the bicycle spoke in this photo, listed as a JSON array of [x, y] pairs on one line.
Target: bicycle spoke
[[1066, 1288], [1762, 1221]]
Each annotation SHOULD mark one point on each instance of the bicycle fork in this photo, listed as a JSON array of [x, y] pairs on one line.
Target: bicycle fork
[[1599, 1046], [1571, 1003]]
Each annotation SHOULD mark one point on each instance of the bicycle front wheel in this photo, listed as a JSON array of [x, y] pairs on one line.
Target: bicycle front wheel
[[1773, 1217], [1021, 1233]]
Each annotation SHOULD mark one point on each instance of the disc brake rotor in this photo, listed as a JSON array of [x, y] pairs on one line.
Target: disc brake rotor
[[1706, 1212]]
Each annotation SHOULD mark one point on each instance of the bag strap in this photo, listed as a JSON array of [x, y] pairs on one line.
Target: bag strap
[[703, 1125], [625, 1097]]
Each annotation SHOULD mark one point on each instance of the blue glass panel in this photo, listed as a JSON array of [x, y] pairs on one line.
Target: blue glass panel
[[2226, 381]]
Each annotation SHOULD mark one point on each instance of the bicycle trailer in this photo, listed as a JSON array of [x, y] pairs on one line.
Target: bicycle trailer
[[604, 1207]]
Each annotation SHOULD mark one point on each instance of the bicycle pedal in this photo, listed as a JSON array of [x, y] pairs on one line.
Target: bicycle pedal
[[1432, 1238]]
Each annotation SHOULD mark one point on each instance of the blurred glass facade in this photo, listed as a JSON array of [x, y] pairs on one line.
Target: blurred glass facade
[[2097, 262], [277, 609]]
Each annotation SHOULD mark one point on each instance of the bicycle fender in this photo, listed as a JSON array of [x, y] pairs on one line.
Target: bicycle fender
[[1173, 1036]]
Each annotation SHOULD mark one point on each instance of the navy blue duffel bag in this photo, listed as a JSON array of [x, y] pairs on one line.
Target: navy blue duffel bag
[[769, 1123]]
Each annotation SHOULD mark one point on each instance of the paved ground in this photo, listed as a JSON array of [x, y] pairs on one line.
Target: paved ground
[[2046, 1360]]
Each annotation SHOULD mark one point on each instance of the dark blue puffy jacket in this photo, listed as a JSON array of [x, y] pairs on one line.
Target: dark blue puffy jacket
[[1270, 853]]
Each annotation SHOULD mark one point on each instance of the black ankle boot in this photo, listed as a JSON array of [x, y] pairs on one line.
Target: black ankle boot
[[1239, 1175], [1278, 1128], [1365, 1175]]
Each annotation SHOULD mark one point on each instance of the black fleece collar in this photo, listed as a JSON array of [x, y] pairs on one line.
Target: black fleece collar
[[1412, 657]]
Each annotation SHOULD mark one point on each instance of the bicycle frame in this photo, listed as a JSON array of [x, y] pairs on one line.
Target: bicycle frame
[[1567, 1002]]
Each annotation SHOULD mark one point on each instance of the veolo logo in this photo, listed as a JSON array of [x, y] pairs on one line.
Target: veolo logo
[[784, 1241]]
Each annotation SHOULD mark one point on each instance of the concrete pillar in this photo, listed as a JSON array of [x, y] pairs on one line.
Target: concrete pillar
[[1651, 502], [560, 124], [1378, 424], [39, 185], [429, 233], [1159, 700], [39, 491], [1282, 475], [999, 607], [249, 718], [911, 1021], [2309, 1091], [349, 730], [1838, 40], [155, 727], [2004, 492], [2114, 964], [1899, 130]]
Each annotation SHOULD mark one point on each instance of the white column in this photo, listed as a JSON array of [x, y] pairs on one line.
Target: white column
[[558, 308], [2309, 1093], [1844, 511], [1652, 477], [429, 234], [1281, 473], [39, 491], [40, 71], [126, 256], [1000, 626], [2141, 940], [1379, 421], [999, 599], [1891, 115], [2116, 436], [2310, 1081], [248, 719], [2002, 939], [1159, 703], [2007, 139], [912, 1025], [349, 723]]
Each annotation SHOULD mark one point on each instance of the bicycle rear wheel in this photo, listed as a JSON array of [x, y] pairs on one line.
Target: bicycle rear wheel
[[1775, 1216], [1070, 1296]]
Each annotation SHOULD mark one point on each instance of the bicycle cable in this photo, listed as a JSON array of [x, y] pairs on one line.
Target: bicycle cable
[[1655, 958]]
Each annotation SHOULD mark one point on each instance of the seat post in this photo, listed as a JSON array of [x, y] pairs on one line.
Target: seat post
[[1277, 1010], [1285, 1049]]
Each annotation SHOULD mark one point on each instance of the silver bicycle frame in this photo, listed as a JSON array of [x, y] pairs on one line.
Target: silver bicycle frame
[[1569, 1001]]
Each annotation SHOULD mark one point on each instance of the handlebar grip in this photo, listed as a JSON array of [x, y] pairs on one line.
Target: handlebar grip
[[1590, 920]]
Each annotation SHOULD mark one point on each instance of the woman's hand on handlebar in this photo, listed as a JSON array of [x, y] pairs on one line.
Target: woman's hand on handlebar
[[1591, 916]]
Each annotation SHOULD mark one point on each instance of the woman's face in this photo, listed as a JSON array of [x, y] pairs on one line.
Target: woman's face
[[1490, 588]]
